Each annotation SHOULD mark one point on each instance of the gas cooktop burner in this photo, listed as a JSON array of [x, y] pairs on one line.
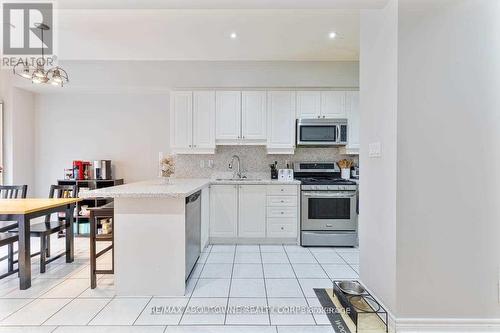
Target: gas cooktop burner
[[324, 181]]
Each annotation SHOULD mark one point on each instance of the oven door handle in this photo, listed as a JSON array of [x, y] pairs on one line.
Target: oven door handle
[[337, 133], [328, 195]]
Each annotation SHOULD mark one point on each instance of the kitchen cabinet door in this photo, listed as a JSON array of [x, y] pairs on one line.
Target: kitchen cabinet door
[[228, 115], [281, 121], [333, 104], [353, 117], [253, 115], [181, 119], [204, 119], [308, 104], [252, 211], [223, 210]]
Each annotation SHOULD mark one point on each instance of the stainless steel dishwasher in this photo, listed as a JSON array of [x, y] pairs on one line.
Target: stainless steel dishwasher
[[193, 230]]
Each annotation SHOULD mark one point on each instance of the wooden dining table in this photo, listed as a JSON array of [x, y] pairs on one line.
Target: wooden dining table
[[23, 211]]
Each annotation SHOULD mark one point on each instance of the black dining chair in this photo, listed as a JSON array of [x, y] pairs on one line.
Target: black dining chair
[[43, 230], [6, 238]]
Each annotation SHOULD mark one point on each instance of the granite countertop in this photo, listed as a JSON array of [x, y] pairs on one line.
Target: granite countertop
[[177, 188]]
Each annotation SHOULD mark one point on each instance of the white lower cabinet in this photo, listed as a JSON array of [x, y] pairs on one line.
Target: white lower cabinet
[[253, 211], [223, 211]]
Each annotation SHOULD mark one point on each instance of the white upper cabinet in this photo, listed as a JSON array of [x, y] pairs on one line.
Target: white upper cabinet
[[281, 122], [204, 119], [254, 115], [181, 118], [333, 104], [252, 211], [192, 122], [308, 104], [228, 115], [353, 116]]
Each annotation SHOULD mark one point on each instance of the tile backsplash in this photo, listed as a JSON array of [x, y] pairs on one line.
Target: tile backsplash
[[254, 160]]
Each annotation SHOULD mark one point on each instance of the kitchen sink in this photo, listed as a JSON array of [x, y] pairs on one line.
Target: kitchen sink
[[238, 179]]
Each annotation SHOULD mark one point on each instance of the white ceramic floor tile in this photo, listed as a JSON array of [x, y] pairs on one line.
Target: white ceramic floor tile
[[301, 258], [329, 258], [207, 248], [120, 311], [278, 271], [9, 285], [305, 329], [308, 285], [220, 329], [163, 311], [69, 288], [36, 312], [316, 250], [247, 258], [290, 311], [355, 268], [296, 249], [212, 288], [247, 271], [217, 271], [78, 312], [105, 289], [110, 329], [247, 311], [340, 272], [27, 329], [38, 288], [350, 257], [247, 248], [274, 258], [220, 258], [190, 284], [247, 288], [223, 248], [205, 311], [9, 306], [283, 288], [272, 249], [83, 273], [312, 271], [61, 271]]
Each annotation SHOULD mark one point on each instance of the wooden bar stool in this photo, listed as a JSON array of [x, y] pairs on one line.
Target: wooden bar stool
[[98, 214]]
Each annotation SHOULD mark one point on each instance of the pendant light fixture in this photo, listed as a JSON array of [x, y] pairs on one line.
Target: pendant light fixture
[[39, 74]]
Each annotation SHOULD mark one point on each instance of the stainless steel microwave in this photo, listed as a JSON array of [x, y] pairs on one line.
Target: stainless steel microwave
[[321, 132]]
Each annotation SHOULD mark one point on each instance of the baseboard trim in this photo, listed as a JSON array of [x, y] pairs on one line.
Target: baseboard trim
[[446, 325]]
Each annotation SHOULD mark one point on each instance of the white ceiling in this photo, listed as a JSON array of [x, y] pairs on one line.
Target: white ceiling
[[221, 4], [194, 34]]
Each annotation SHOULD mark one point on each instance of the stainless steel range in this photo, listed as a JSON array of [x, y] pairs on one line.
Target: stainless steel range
[[328, 205]]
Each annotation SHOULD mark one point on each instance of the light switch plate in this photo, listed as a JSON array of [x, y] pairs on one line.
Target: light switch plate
[[375, 150]]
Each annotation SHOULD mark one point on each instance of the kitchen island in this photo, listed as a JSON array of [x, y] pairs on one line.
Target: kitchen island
[[150, 234]]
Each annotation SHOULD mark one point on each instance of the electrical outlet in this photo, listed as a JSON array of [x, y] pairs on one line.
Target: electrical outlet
[[375, 150], [210, 164]]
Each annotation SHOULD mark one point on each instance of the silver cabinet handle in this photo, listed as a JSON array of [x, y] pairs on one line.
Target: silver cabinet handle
[[282, 213], [282, 201], [282, 228], [328, 195]]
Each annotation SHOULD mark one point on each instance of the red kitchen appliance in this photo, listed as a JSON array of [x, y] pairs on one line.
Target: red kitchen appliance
[[81, 170]]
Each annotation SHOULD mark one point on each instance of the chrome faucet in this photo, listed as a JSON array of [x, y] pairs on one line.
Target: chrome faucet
[[237, 173]]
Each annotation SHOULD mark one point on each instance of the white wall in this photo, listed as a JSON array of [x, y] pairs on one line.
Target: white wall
[[126, 116], [378, 89], [448, 137], [448, 214], [18, 133], [128, 129]]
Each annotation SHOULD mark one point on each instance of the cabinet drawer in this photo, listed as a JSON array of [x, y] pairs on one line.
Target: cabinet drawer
[[280, 200], [282, 211], [280, 228], [281, 189]]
